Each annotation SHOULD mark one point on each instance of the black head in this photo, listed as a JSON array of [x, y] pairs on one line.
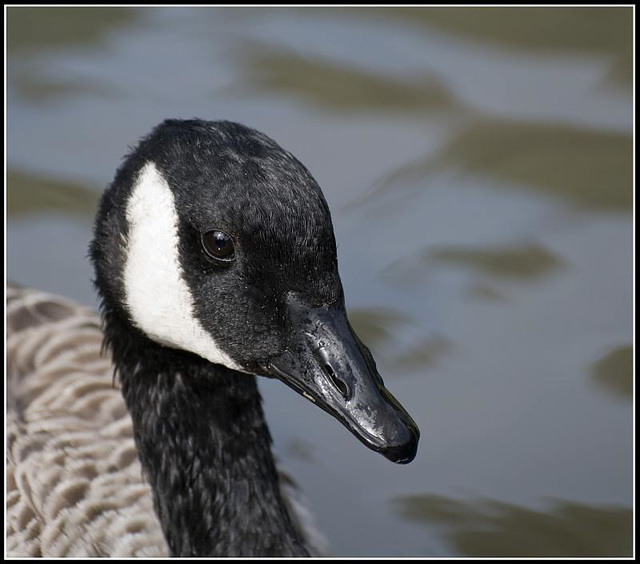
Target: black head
[[215, 240]]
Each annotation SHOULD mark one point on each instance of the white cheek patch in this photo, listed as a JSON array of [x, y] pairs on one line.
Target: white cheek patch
[[157, 297]]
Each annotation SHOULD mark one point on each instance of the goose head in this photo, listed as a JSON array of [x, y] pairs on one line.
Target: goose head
[[214, 240]]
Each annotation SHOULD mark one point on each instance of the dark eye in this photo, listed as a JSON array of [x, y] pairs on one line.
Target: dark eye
[[218, 245]]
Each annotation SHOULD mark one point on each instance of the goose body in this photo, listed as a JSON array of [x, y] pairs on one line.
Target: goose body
[[215, 262]]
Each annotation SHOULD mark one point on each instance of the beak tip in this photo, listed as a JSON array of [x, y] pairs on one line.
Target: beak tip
[[405, 452], [401, 455]]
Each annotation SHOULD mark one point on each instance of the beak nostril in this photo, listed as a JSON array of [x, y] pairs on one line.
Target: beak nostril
[[340, 385]]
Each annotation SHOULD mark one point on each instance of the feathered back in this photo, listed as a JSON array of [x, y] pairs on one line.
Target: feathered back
[[74, 481]]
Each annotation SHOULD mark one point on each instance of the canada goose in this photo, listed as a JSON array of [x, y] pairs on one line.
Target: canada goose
[[215, 261]]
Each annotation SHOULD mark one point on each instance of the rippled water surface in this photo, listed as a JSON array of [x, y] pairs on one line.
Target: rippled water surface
[[478, 165]]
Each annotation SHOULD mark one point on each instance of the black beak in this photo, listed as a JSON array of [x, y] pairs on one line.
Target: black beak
[[327, 363]]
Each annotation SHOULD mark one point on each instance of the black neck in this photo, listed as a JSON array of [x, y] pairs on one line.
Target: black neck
[[206, 450]]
